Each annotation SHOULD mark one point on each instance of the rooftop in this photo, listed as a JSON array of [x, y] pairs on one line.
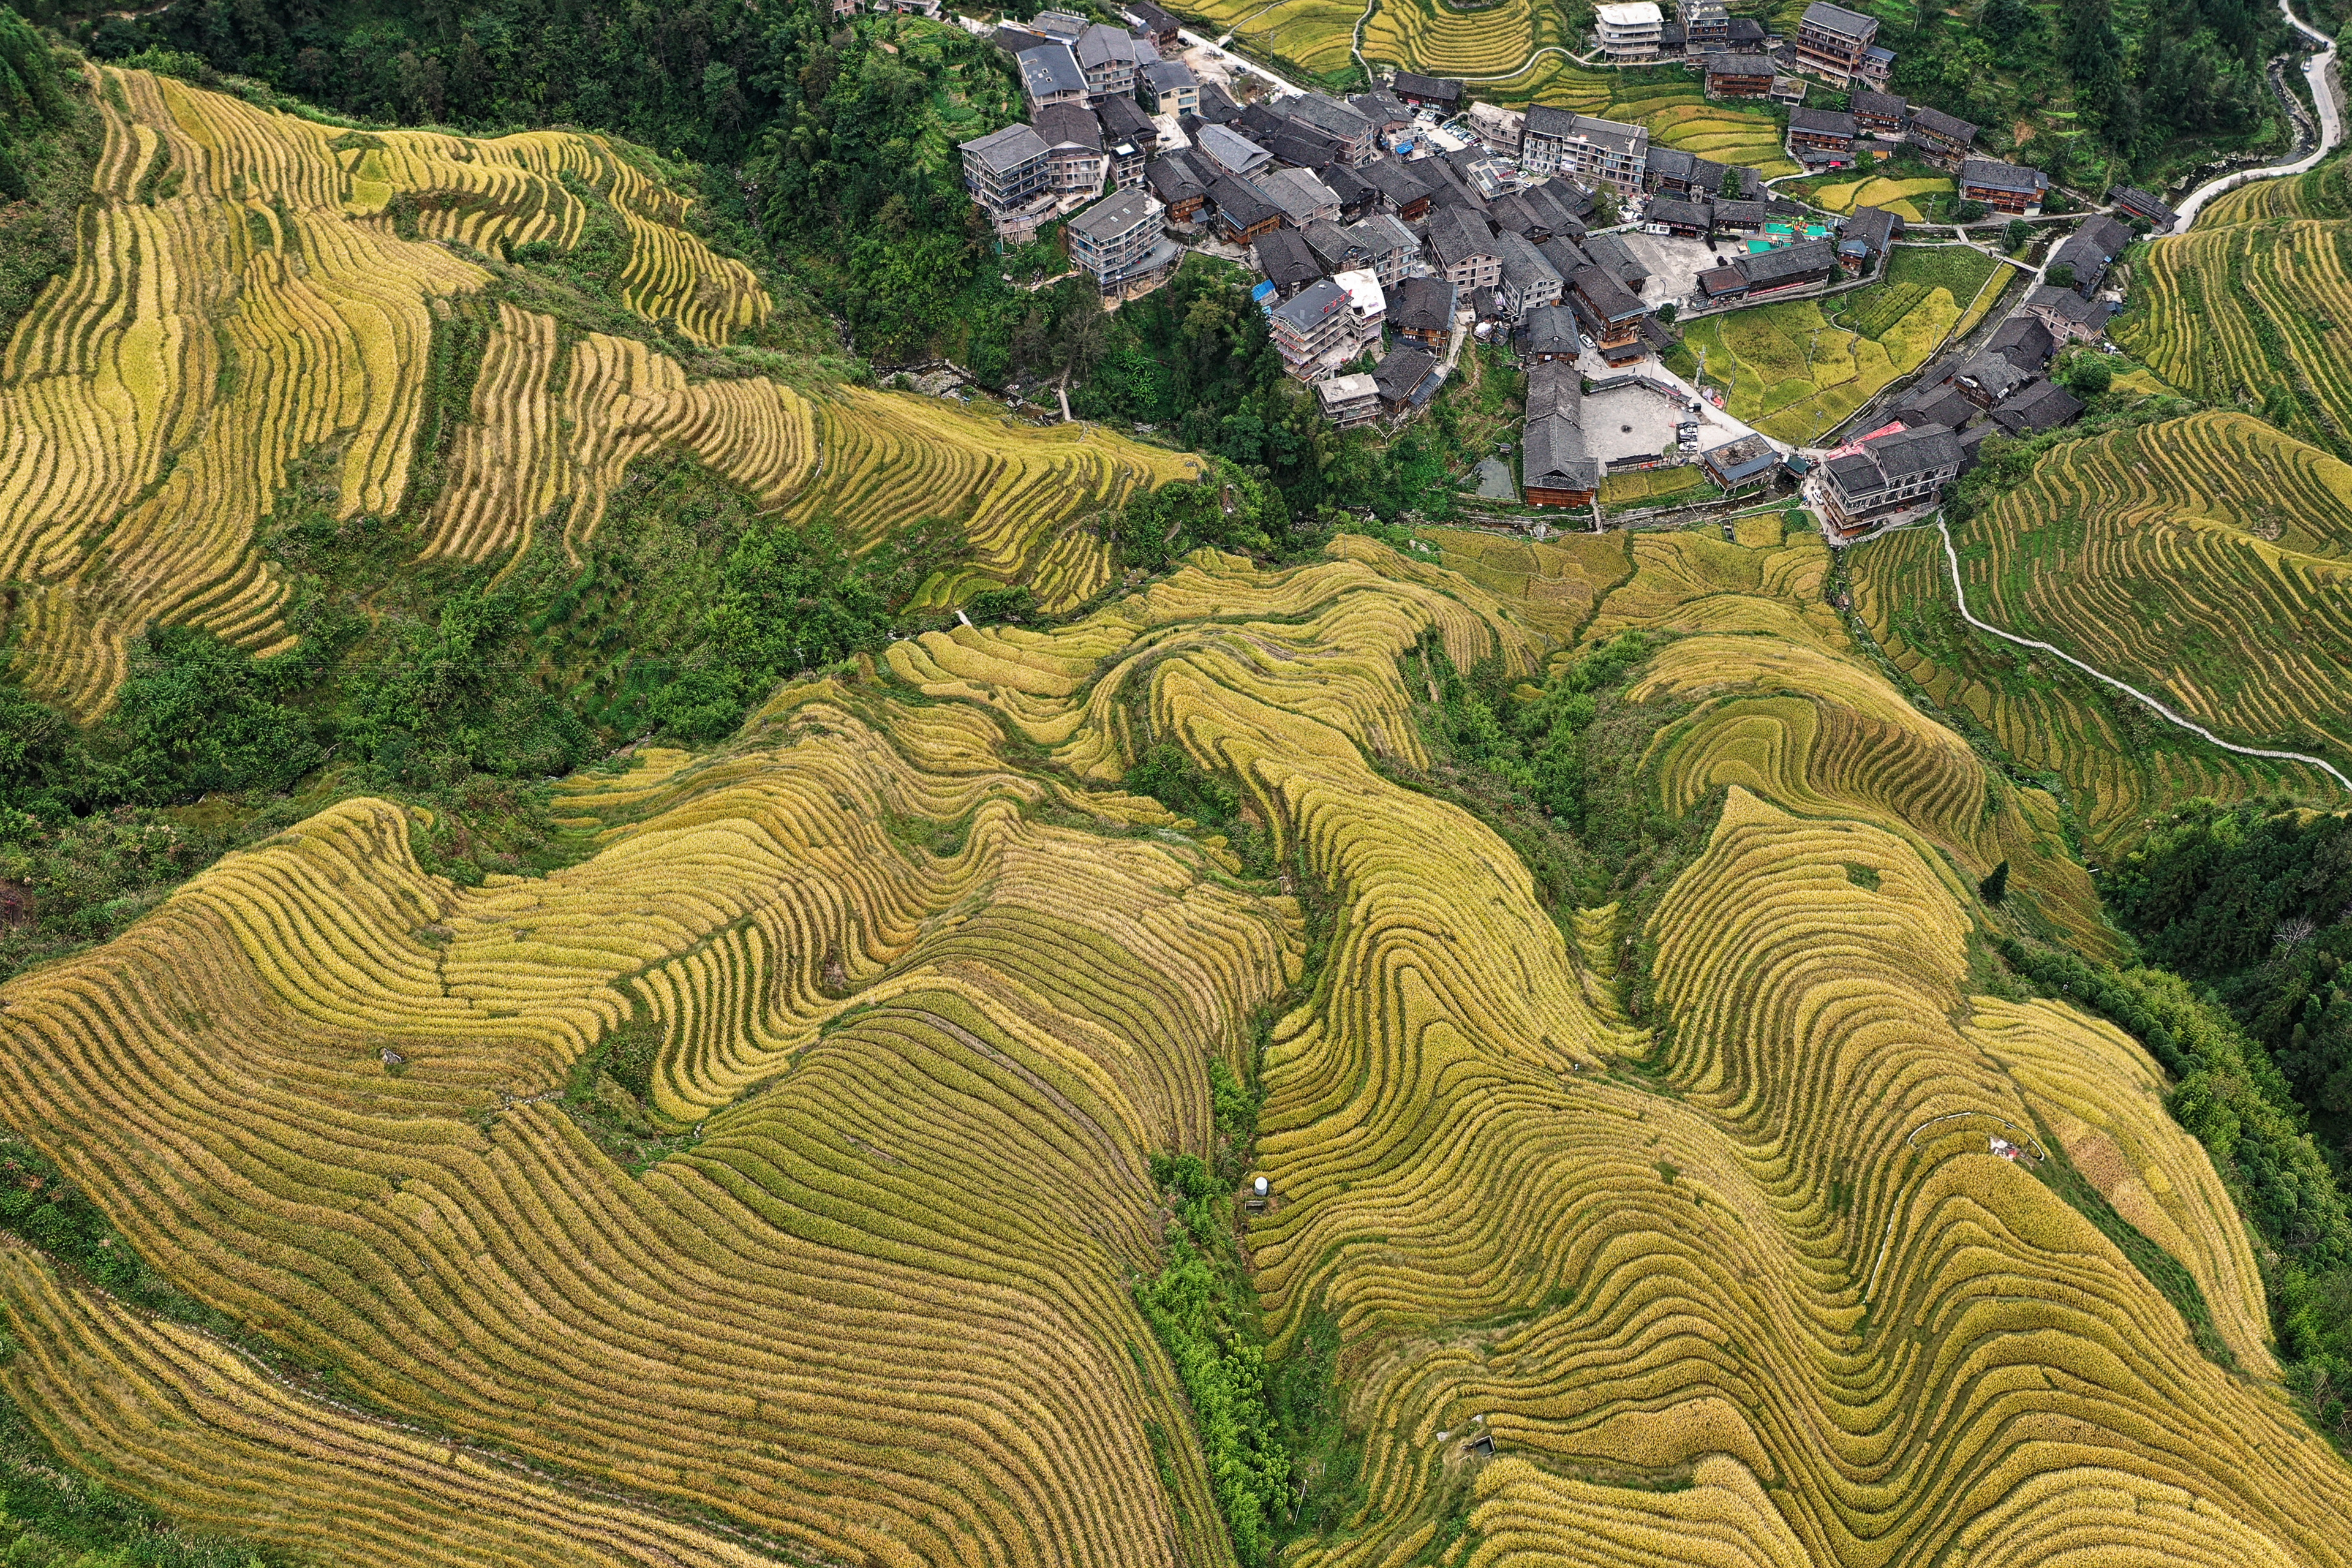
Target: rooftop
[[1340, 390], [1006, 148], [1312, 306], [1949, 126], [1118, 215], [1995, 175], [1838, 19], [1050, 70]]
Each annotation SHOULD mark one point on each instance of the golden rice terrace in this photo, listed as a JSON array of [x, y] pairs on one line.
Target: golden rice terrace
[[1748, 1215]]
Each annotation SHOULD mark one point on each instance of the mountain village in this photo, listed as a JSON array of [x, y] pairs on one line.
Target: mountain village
[[1387, 229]]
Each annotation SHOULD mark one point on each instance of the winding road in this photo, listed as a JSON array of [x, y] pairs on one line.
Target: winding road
[[2327, 96], [1961, 598]]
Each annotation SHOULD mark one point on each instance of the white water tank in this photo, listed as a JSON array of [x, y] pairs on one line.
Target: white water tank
[[1258, 1186]]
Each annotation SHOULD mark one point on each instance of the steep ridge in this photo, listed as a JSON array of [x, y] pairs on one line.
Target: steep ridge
[[1753, 1284], [253, 289]]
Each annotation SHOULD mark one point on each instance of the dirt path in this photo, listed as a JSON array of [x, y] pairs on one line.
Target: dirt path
[[1961, 598]]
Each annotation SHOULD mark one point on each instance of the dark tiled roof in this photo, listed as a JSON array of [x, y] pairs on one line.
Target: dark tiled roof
[[1992, 374], [1878, 105], [1910, 452], [2144, 204], [1401, 374], [1402, 186], [1729, 64], [1287, 260], [1689, 214], [1838, 19], [1950, 127], [1411, 84], [1551, 329], [1991, 173], [1421, 304], [1609, 250], [1873, 226], [1553, 454], [1822, 122], [2036, 406], [1241, 206], [2023, 342], [1554, 387], [1607, 298], [1456, 236], [1787, 264], [1566, 255], [1069, 123]]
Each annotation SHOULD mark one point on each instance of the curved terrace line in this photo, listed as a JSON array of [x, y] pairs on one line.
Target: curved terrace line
[[1959, 596]]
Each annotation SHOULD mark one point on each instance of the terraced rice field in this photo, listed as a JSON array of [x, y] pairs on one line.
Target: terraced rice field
[[2254, 305], [1026, 496], [152, 398], [1441, 39], [1795, 370], [877, 1310], [267, 308], [1878, 191], [1312, 35], [2204, 560]]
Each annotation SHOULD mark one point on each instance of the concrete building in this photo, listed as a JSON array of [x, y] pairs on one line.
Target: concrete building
[[1705, 23], [1168, 86], [1050, 74], [1629, 31], [1118, 240], [1366, 303], [1358, 137], [1108, 59], [1074, 158], [1009, 175], [1302, 198], [1314, 330], [1499, 128], [2068, 316], [1389, 247], [1349, 400], [1595, 152], [1527, 281]]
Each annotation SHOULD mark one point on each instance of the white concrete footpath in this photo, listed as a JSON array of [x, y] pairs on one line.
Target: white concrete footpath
[[2326, 96], [1961, 598]]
